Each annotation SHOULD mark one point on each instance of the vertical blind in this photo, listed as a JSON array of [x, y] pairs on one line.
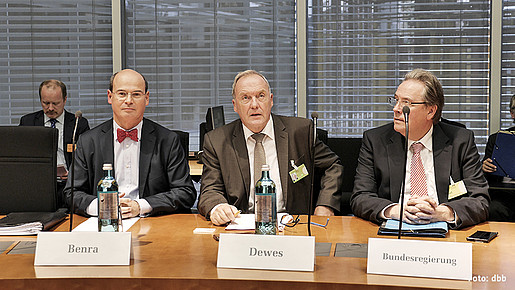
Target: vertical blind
[[359, 51], [190, 51], [55, 39], [508, 62]]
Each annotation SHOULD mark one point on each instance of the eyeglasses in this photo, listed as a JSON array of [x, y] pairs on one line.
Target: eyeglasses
[[392, 101], [290, 221], [122, 95], [246, 99]]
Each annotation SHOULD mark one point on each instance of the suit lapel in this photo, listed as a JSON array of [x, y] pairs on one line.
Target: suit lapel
[[395, 153], [240, 149], [442, 155], [39, 119], [148, 142], [281, 144], [106, 143]]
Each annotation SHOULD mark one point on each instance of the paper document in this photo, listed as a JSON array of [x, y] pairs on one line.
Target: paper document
[[91, 225]]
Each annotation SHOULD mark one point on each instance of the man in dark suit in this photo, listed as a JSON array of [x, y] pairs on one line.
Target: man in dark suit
[[229, 173], [149, 162], [53, 96], [440, 155], [502, 206]]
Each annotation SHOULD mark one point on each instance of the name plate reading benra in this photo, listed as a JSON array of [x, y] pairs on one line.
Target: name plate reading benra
[[448, 260], [291, 253], [83, 248]]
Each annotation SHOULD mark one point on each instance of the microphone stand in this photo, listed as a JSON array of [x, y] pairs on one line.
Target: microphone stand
[[405, 111], [314, 116], [78, 114]]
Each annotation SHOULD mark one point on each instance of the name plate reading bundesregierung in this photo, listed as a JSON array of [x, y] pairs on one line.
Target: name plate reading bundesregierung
[[290, 253], [448, 260], [83, 248]]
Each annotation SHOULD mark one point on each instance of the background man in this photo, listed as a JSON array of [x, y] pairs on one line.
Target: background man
[[502, 206], [229, 172], [53, 96], [149, 162], [447, 154]]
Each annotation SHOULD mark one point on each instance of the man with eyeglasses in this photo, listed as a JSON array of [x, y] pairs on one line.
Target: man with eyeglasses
[[444, 181], [502, 207], [149, 163], [231, 153]]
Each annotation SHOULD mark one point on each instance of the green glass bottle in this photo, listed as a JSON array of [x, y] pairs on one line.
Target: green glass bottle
[[265, 204], [107, 194]]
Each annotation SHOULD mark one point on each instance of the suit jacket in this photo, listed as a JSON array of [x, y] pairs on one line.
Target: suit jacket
[[226, 171], [164, 179], [380, 166], [488, 154], [38, 119]]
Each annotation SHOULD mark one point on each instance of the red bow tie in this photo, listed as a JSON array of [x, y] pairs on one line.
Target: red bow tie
[[122, 134]]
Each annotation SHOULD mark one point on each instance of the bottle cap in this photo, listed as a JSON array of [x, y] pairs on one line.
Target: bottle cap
[[107, 166], [265, 167]]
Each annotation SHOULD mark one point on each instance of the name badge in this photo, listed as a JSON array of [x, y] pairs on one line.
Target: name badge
[[69, 147], [298, 172], [83, 248], [291, 253], [457, 189], [448, 260]]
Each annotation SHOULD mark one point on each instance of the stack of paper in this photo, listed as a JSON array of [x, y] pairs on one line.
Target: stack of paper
[[23, 229]]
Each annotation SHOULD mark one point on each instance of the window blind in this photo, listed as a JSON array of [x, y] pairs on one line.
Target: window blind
[[190, 51], [360, 50], [508, 62], [57, 39]]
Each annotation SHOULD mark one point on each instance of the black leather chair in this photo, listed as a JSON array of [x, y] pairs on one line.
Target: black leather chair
[[185, 141], [348, 151], [28, 166]]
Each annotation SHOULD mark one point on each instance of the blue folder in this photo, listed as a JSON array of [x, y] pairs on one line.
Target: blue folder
[[503, 155]]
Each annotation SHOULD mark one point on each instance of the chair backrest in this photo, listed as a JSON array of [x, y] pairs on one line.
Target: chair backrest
[[28, 166], [185, 141], [348, 151]]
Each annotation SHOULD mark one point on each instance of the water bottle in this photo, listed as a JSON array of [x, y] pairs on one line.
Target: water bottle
[[265, 204], [107, 194]]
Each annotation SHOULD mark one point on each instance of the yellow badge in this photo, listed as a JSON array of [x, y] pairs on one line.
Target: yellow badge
[[298, 172], [457, 189]]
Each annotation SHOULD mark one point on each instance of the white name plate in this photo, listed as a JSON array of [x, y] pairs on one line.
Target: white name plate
[[83, 248], [291, 253], [448, 260]]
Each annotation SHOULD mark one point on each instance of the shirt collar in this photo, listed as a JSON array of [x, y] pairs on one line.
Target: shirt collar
[[59, 119], [427, 140], [268, 130]]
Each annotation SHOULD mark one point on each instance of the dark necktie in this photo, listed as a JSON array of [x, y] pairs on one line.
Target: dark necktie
[[52, 123], [122, 134]]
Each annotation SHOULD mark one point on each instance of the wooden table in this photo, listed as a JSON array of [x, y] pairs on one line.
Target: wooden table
[[166, 254]]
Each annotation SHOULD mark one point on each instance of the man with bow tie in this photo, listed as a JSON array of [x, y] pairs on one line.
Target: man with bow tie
[[149, 164]]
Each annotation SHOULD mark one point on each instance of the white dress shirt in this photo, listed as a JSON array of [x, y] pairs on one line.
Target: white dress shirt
[[126, 165], [271, 160], [59, 125]]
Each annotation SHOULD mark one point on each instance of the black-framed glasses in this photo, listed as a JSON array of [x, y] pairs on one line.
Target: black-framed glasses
[[392, 101], [291, 221]]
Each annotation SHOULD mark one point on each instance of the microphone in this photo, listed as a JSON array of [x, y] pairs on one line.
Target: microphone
[[314, 116], [78, 115], [405, 112]]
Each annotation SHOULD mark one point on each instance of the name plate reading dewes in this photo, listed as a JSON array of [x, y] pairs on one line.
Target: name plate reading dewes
[[82, 248], [448, 260], [291, 253]]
